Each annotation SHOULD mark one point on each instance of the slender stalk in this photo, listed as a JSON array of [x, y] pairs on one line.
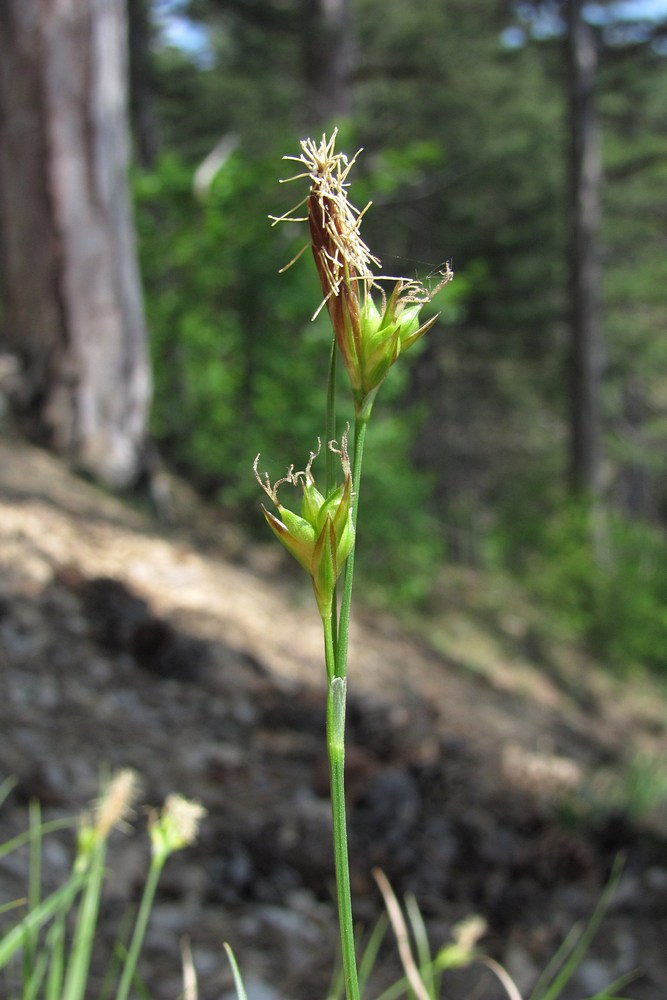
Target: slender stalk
[[336, 660], [34, 888], [328, 622], [330, 434], [84, 934], [130, 966], [360, 425], [336, 750], [13, 940], [56, 943], [238, 982], [330, 419]]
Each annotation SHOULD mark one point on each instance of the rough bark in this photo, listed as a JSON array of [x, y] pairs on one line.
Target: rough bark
[[585, 178], [71, 285], [142, 113]]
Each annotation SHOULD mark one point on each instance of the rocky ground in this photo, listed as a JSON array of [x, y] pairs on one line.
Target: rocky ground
[[197, 661]]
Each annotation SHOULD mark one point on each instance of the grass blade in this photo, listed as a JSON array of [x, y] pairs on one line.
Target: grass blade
[[13, 940], [23, 838], [238, 982], [580, 948], [423, 948], [86, 923], [370, 952], [6, 787]]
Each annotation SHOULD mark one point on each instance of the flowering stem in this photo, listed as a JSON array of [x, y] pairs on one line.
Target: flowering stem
[[336, 672], [330, 432], [336, 751], [370, 341], [84, 934], [360, 425], [330, 419], [130, 966], [328, 625]]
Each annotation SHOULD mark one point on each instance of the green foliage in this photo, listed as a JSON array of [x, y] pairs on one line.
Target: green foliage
[[645, 786], [402, 546], [638, 792], [46, 952], [223, 340], [478, 131], [603, 575], [242, 84]]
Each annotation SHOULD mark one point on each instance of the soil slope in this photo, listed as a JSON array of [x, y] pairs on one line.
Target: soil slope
[[196, 659]]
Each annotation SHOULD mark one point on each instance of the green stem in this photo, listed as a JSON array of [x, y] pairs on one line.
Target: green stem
[[34, 886], [330, 420], [330, 433], [336, 670], [86, 923], [328, 622], [130, 966], [336, 751], [360, 425], [335, 647]]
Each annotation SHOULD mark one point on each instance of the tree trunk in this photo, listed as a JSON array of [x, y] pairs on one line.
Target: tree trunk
[[73, 301], [142, 114], [585, 177], [327, 47]]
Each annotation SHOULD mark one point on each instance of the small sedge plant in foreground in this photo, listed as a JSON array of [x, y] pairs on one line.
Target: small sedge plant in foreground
[[47, 952], [374, 318]]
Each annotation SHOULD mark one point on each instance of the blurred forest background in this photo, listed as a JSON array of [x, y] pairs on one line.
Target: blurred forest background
[[523, 142]]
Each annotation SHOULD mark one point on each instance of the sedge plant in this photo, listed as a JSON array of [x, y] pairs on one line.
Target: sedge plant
[[374, 318], [47, 951]]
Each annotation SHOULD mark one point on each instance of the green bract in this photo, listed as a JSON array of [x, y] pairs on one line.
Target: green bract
[[321, 537], [381, 337]]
